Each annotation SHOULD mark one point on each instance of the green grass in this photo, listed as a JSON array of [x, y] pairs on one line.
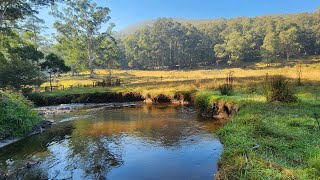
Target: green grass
[[73, 91], [270, 140], [16, 115]]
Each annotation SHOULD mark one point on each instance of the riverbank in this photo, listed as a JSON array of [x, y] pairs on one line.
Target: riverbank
[[68, 97], [270, 140]]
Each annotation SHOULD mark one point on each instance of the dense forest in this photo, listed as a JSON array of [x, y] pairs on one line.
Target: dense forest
[[170, 44]]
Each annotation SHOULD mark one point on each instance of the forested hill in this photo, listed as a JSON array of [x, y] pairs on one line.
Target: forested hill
[[184, 21], [136, 26], [175, 43]]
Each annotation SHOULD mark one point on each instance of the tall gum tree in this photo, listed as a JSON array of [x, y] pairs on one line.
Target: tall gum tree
[[289, 42], [84, 20]]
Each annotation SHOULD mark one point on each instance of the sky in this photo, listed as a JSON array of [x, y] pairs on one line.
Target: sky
[[127, 12]]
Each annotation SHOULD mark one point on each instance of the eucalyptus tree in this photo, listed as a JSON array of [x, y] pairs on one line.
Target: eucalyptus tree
[[31, 30], [168, 43], [270, 47], [82, 23], [289, 42]]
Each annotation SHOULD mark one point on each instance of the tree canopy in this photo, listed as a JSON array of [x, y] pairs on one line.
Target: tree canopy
[[81, 39], [170, 44]]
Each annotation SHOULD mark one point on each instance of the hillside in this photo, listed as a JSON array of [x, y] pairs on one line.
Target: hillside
[[184, 21], [134, 27]]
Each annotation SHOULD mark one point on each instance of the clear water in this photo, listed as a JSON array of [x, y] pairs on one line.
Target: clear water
[[143, 142]]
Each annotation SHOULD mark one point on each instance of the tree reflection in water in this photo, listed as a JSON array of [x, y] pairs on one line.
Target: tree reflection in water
[[117, 143]]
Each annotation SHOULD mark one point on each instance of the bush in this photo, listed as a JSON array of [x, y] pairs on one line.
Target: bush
[[203, 101], [226, 90], [16, 115], [277, 88]]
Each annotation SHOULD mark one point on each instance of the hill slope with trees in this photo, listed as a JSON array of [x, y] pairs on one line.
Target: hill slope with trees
[[175, 43]]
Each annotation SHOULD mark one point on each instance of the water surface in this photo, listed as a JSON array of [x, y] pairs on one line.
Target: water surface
[[142, 142]]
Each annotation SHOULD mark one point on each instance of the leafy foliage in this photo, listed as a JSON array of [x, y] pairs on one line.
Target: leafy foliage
[[16, 115], [18, 69], [54, 64], [19, 74], [80, 37]]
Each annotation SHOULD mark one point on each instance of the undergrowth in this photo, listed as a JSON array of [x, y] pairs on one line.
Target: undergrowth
[[16, 115]]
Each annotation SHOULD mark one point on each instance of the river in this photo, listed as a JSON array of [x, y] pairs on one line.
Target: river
[[135, 142]]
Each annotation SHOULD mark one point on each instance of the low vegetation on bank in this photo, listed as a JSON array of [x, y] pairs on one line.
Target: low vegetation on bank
[[270, 139], [16, 115]]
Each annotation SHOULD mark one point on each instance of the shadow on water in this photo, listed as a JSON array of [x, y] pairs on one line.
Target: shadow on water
[[142, 142]]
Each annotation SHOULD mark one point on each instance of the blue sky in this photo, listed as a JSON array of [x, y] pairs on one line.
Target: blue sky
[[126, 12]]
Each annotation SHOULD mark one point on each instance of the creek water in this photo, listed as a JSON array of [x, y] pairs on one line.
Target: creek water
[[139, 142]]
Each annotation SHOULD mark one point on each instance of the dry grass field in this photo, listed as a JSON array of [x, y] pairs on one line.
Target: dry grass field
[[171, 81]]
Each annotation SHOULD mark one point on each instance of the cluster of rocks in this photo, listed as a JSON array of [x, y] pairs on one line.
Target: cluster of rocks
[[54, 110]]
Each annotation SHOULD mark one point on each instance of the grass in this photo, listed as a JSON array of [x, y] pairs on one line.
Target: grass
[[265, 140], [16, 115], [269, 140], [169, 82], [80, 90]]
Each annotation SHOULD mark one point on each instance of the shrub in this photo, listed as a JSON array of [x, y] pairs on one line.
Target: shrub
[[203, 101], [226, 90], [16, 115], [277, 88]]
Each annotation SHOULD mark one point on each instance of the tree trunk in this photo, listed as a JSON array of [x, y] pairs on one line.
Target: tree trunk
[[50, 81], [91, 72], [72, 71]]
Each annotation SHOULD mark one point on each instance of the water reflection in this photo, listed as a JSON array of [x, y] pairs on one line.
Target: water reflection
[[144, 142]]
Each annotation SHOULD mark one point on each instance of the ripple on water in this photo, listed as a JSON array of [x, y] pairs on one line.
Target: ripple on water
[[143, 142]]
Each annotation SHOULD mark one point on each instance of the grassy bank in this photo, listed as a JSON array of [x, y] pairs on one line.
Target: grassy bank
[[67, 97], [16, 115], [270, 140]]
